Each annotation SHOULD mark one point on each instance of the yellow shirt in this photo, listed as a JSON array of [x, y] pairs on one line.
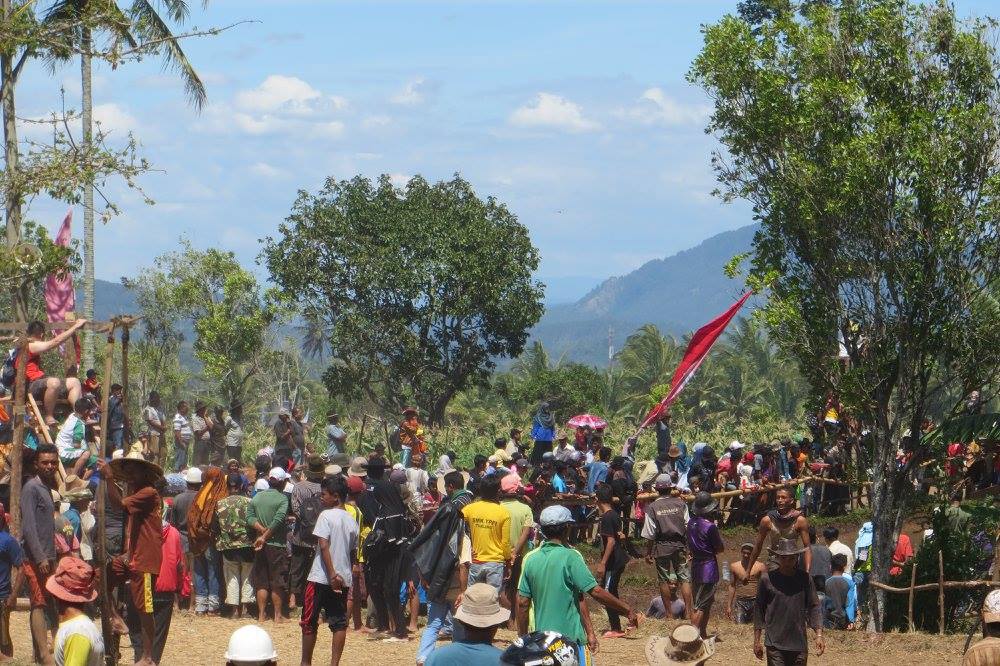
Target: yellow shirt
[[489, 531], [363, 529]]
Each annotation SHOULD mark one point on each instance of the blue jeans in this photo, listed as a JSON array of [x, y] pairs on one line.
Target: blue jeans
[[490, 573], [180, 458], [117, 438], [438, 622], [407, 454], [206, 581]]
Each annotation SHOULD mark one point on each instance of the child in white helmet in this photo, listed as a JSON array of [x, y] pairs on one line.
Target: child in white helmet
[[251, 646]]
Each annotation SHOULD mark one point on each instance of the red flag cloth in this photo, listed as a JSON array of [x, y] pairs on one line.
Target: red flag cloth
[[701, 343], [60, 298]]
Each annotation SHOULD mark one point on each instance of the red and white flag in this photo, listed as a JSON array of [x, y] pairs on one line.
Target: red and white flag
[[701, 343], [60, 298]]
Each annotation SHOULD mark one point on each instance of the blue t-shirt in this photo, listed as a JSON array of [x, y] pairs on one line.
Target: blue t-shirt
[[558, 484], [10, 556], [597, 472], [464, 654]]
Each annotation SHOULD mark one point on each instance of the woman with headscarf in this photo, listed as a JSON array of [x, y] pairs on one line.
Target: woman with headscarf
[[384, 509], [201, 540], [444, 466], [543, 432]]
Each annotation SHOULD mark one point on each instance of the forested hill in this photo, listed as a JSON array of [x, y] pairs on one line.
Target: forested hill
[[678, 294], [110, 299]]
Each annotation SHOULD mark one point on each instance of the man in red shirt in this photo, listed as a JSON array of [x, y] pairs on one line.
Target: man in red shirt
[[140, 564], [47, 389], [168, 584]]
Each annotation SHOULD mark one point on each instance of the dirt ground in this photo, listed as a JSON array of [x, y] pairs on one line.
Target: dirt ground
[[196, 641]]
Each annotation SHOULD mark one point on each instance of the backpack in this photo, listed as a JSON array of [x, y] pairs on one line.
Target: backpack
[[395, 442], [8, 372], [308, 514]]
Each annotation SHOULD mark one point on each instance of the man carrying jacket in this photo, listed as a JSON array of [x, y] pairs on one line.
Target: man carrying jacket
[[443, 553]]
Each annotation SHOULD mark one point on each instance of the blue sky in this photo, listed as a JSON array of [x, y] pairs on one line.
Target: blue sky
[[573, 112]]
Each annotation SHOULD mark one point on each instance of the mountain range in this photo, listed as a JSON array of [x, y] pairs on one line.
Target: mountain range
[[678, 294]]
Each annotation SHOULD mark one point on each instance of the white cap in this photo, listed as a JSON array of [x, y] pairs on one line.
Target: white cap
[[555, 515], [250, 645], [735, 444], [278, 474], [261, 484], [192, 475]]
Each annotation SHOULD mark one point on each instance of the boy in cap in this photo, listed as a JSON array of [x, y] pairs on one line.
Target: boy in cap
[[554, 579], [786, 602], [665, 527], [266, 516], [480, 615], [78, 640], [987, 651]]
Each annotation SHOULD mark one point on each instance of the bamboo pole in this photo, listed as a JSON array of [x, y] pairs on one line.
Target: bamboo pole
[[128, 429], [101, 551], [909, 608], [17, 448], [949, 585], [940, 593]]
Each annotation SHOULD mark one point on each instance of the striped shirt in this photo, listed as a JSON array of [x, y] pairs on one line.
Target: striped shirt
[[183, 425]]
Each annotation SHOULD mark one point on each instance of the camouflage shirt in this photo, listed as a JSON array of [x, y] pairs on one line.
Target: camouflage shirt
[[231, 512]]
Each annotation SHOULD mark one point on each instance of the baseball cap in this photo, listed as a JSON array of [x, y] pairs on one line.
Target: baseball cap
[[663, 482], [278, 474], [192, 475], [355, 484], [261, 484], [510, 484], [555, 515]]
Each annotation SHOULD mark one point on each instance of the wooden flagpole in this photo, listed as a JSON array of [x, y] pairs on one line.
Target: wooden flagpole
[[101, 551]]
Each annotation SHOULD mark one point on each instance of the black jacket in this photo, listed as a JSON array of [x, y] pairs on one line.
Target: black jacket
[[436, 549]]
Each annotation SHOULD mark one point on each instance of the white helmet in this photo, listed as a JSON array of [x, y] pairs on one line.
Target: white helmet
[[250, 646]]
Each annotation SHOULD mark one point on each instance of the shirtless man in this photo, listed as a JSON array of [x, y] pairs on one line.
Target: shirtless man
[[743, 591], [783, 522]]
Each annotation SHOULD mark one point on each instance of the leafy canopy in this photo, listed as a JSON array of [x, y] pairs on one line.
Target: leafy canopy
[[416, 291]]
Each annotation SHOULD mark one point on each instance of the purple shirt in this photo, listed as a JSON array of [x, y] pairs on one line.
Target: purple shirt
[[703, 540]]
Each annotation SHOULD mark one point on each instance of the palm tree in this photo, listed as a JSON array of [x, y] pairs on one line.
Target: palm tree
[[138, 23], [647, 360]]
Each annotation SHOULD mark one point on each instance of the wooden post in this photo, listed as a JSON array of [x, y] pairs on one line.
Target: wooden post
[[909, 610], [361, 433], [101, 549], [17, 413], [940, 593], [109, 366], [128, 425]]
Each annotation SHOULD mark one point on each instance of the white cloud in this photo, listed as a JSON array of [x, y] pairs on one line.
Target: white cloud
[[114, 118], [377, 121], [655, 107], [554, 112], [265, 170], [413, 93], [287, 95], [332, 130]]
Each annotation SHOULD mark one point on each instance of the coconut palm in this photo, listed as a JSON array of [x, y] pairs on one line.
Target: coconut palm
[[135, 24], [647, 360]]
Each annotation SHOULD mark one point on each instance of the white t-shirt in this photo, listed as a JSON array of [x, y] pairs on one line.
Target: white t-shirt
[[83, 625], [417, 479], [837, 547], [341, 530]]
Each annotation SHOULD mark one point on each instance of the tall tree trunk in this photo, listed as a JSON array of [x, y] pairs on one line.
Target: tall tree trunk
[[12, 197], [891, 493], [86, 70]]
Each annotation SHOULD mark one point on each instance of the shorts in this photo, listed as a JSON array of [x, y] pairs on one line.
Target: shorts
[[490, 573], [776, 657], [37, 595], [703, 596], [6, 644], [38, 386], [322, 598], [743, 610], [358, 593], [140, 584], [236, 577], [270, 568], [673, 568]]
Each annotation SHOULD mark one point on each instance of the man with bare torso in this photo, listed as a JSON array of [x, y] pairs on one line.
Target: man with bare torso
[[783, 522]]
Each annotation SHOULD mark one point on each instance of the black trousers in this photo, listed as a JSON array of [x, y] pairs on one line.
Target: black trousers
[[163, 611], [610, 583], [539, 449], [776, 657], [382, 577]]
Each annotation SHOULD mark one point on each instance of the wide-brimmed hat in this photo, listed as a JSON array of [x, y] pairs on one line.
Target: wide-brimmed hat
[[77, 494], [73, 581], [73, 482], [358, 467], [703, 503], [481, 607], [135, 467], [684, 647], [674, 451], [440, 482], [663, 482], [315, 468], [411, 410], [787, 547], [991, 607]]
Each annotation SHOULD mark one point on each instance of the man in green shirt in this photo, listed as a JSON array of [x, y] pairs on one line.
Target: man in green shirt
[[522, 522], [554, 579], [266, 517]]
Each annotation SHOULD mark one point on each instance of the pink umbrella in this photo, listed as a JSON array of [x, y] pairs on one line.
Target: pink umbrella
[[587, 421]]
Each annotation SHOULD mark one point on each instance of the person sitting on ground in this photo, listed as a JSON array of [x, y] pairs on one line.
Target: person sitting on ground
[[676, 611], [831, 535], [48, 389], [987, 651], [841, 596], [743, 591], [78, 641], [480, 615], [500, 456], [71, 439], [251, 645]]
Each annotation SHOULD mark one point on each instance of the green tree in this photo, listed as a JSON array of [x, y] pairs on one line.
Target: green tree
[[139, 23], [230, 313], [865, 135], [647, 360], [419, 290]]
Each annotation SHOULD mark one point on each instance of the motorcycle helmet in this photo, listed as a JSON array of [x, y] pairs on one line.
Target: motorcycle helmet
[[541, 648]]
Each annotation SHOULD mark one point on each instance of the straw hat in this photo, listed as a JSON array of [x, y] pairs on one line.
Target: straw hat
[[134, 467], [358, 467], [440, 482], [684, 647], [77, 494]]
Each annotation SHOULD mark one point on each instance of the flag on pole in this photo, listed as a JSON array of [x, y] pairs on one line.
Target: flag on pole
[[60, 298], [701, 343]]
